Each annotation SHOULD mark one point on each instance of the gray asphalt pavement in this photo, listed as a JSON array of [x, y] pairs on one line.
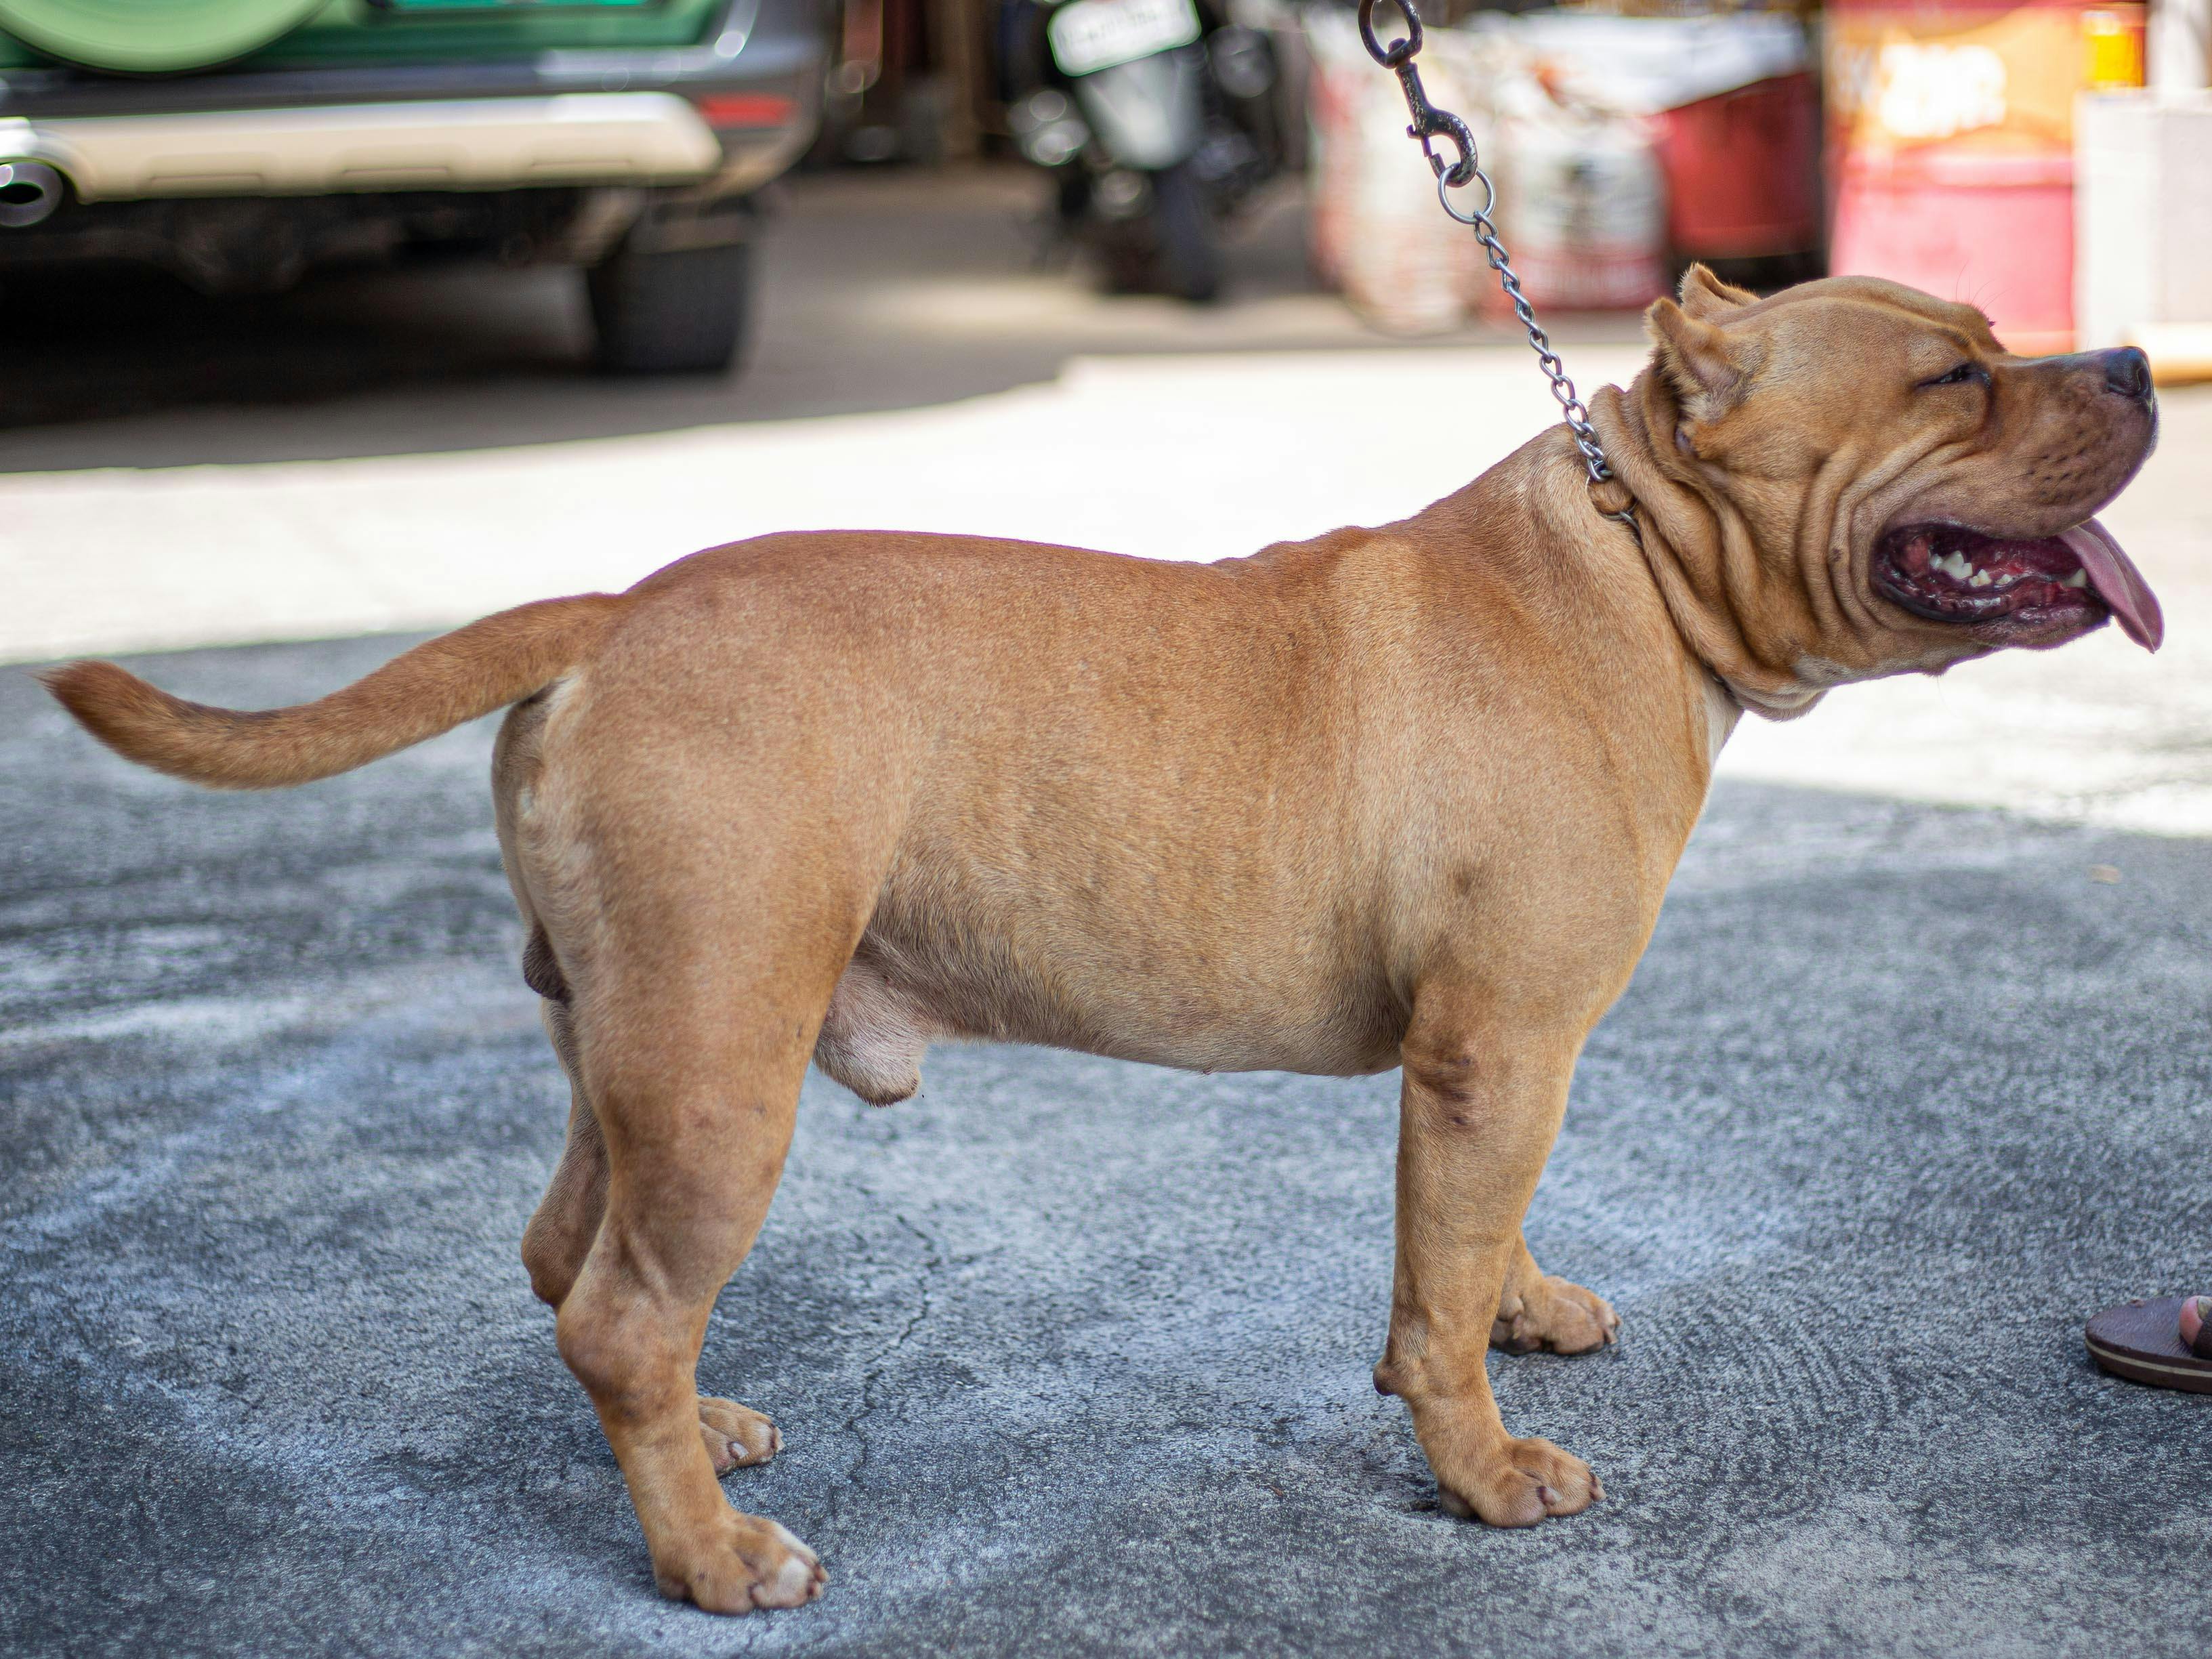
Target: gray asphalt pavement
[[1071, 1356]]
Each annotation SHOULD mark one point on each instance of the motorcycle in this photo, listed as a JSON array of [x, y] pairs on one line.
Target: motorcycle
[[1156, 119]]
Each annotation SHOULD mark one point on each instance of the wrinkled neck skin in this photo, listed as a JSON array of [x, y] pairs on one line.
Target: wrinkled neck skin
[[1752, 632]]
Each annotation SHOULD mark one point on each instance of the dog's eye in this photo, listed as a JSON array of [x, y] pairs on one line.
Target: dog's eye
[[1959, 376]]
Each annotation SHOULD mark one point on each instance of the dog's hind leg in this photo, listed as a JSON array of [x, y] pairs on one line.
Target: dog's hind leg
[[708, 944], [1541, 1311], [696, 1089], [560, 1235]]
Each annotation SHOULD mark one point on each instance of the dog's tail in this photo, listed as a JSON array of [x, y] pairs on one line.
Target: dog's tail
[[429, 689]]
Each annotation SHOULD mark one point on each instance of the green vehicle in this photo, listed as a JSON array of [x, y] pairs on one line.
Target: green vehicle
[[240, 143]]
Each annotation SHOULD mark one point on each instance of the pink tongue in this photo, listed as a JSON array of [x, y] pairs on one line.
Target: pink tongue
[[2117, 582]]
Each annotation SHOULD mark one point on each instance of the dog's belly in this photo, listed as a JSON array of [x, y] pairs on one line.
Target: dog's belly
[[904, 990]]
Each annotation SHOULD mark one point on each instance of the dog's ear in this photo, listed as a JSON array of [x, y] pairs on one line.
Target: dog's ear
[[1704, 295], [1706, 367]]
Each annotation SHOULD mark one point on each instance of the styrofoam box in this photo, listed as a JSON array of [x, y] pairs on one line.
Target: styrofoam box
[[2142, 209]]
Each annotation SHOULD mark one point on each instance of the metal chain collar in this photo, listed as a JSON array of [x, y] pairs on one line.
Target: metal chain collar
[[1430, 124]]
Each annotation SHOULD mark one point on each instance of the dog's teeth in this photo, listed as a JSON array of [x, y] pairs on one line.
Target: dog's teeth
[[1980, 578], [2079, 579]]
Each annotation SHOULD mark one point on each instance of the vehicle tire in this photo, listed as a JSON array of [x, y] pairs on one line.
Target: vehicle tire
[[133, 37], [685, 311], [1189, 245]]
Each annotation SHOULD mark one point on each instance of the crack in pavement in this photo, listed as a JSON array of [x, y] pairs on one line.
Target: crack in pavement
[[933, 1260]]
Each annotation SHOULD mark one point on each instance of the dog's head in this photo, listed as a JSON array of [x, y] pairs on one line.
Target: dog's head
[[1879, 485]]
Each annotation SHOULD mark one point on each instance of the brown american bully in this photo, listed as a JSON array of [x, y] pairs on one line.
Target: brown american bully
[[1407, 797]]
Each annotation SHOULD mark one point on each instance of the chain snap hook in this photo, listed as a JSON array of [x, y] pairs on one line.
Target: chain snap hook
[[1429, 123]]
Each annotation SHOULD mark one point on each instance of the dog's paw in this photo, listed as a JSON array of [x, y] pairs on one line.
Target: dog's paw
[[1554, 1314], [1522, 1482], [736, 1437], [742, 1562]]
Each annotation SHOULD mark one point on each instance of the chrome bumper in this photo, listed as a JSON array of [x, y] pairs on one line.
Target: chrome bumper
[[478, 143]]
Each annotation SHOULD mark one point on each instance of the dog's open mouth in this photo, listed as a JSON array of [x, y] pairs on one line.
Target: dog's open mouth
[[1951, 574]]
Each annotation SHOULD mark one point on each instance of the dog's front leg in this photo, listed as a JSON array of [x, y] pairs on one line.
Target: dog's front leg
[[1483, 1094]]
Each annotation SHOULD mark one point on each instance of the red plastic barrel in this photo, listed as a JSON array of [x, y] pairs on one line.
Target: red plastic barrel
[[1743, 171], [1950, 147]]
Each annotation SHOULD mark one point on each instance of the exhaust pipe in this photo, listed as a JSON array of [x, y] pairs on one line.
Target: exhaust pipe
[[29, 190]]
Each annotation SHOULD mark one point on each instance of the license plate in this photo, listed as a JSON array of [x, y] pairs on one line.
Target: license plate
[[1087, 35]]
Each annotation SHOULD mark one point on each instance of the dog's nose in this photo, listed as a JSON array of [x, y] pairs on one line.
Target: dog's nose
[[2127, 372]]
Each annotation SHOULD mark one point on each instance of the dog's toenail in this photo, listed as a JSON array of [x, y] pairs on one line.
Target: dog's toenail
[[1546, 1497]]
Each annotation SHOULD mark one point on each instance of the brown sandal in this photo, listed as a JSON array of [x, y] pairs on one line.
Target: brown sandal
[[2165, 1342]]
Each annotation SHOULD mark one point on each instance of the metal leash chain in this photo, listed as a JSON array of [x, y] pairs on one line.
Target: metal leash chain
[[1430, 124]]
